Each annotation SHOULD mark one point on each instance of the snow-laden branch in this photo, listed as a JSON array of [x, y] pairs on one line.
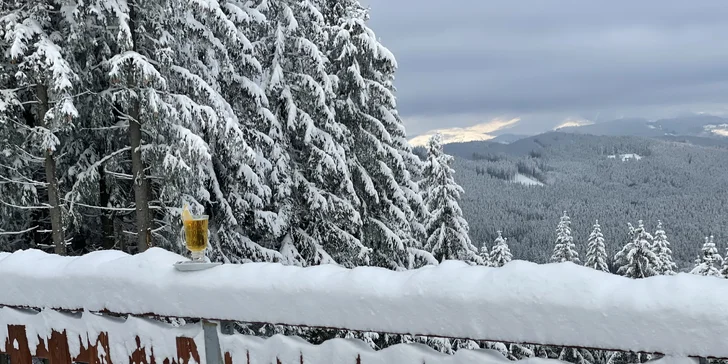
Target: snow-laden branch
[[41, 207], [91, 172], [2, 232]]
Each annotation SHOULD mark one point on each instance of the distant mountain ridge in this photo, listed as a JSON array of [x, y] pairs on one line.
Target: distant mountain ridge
[[708, 126]]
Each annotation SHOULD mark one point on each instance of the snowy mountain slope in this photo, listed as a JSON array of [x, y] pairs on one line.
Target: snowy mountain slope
[[520, 147], [508, 138], [478, 132], [699, 125], [573, 123], [620, 127]]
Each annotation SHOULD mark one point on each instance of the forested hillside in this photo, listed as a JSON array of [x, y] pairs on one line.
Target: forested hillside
[[681, 184]]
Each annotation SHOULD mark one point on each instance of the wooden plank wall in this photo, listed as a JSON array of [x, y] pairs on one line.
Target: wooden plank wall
[[56, 350]]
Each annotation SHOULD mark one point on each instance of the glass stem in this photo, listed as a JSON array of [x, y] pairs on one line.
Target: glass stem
[[198, 256]]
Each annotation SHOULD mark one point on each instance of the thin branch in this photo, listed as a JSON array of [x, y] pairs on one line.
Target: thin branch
[[124, 209], [94, 166], [31, 182], [30, 156], [101, 207], [159, 228], [45, 206], [118, 175], [18, 232], [123, 126]]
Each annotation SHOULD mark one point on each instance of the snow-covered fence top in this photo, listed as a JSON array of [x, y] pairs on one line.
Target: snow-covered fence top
[[560, 304]]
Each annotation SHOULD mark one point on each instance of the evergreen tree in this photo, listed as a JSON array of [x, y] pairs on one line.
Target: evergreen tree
[[565, 250], [485, 255], [636, 259], [521, 351], [724, 268], [37, 115], [501, 253], [319, 219], [446, 227], [596, 255], [663, 252], [167, 71], [706, 264], [575, 355], [377, 151]]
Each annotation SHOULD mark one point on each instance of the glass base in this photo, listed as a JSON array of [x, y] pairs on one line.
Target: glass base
[[199, 256]]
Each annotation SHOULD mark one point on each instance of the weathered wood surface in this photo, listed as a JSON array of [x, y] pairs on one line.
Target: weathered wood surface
[[56, 350]]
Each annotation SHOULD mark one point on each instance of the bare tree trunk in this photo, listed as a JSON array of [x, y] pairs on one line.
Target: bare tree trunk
[[107, 217], [50, 171], [36, 216], [141, 184]]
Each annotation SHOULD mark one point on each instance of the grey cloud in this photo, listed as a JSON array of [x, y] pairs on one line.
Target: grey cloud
[[559, 57]]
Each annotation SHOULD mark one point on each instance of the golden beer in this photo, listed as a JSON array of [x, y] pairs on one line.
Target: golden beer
[[196, 233]]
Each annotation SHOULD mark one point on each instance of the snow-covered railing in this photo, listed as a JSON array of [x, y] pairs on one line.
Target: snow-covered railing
[[95, 339], [553, 304]]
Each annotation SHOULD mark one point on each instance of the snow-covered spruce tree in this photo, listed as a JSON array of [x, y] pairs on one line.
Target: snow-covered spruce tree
[[447, 229], [576, 355], [320, 221], [724, 268], [38, 113], [377, 151], [706, 264], [244, 226], [485, 255], [596, 254], [565, 250], [17, 192], [501, 253], [175, 73], [661, 247], [125, 79], [636, 259]]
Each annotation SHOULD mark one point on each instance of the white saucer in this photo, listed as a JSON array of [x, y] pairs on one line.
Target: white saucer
[[189, 265]]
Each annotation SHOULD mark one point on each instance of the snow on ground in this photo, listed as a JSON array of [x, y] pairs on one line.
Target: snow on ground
[[720, 129], [290, 349], [625, 157], [674, 360], [560, 304], [526, 180]]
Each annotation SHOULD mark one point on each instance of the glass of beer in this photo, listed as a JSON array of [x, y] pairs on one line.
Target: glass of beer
[[196, 236]]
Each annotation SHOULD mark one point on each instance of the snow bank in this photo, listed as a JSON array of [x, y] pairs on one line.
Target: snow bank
[[291, 349], [84, 328], [674, 360], [560, 304]]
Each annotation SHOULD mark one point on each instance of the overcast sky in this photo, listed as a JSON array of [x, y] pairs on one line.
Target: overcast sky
[[466, 62]]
